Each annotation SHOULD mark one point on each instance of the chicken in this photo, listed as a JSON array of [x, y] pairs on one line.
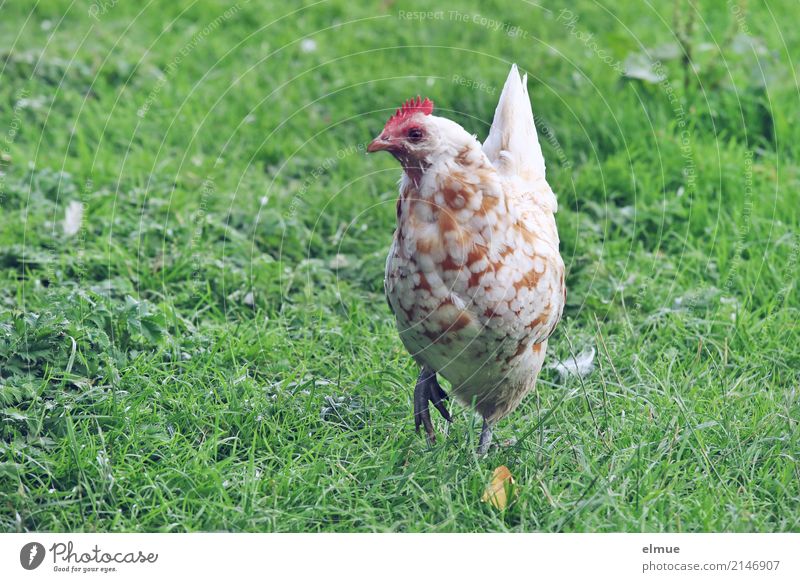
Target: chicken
[[474, 277]]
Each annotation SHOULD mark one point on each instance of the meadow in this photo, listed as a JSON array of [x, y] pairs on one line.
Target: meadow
[[193, 332]]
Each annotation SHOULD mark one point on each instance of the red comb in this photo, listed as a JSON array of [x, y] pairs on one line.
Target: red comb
[[411, 107]]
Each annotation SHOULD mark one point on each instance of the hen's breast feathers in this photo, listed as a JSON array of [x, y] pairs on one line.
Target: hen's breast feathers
[[472, 252]]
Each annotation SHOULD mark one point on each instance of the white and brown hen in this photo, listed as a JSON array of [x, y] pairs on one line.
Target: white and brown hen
[[474, 276]]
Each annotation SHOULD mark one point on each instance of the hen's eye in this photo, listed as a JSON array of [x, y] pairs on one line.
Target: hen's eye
[[415, 134]]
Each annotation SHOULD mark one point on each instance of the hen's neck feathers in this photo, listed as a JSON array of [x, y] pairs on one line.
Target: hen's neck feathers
[[454, 150]]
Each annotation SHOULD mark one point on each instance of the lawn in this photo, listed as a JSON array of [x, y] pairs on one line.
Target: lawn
[[193, 333]]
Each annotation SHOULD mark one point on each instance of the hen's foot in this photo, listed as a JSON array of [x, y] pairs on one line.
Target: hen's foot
[[485, 440], [426, 391]]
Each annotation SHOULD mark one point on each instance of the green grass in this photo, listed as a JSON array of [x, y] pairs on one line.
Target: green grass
[[212, 351]]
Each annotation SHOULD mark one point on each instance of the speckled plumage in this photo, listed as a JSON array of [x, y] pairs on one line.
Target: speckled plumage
[[474, 276]]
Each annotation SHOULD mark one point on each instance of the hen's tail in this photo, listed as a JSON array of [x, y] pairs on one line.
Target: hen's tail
[[513, 146]]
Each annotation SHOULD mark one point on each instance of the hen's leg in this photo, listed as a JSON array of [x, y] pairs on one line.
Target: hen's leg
[[486, 438], [426, 391]]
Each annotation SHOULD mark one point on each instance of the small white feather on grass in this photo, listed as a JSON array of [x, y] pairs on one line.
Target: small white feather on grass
[[73, 217], [308, 45], [581, 365]]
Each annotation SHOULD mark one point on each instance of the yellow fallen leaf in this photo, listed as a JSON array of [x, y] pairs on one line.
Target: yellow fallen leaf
[[501, 490]]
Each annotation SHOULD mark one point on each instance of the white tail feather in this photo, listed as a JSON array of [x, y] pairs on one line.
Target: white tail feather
[[513, 145]]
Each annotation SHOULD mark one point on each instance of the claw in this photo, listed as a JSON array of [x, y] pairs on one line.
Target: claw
[[437, 397], [428, 390]]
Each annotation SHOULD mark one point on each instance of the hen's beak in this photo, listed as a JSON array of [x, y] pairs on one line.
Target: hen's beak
[[379, 144]]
